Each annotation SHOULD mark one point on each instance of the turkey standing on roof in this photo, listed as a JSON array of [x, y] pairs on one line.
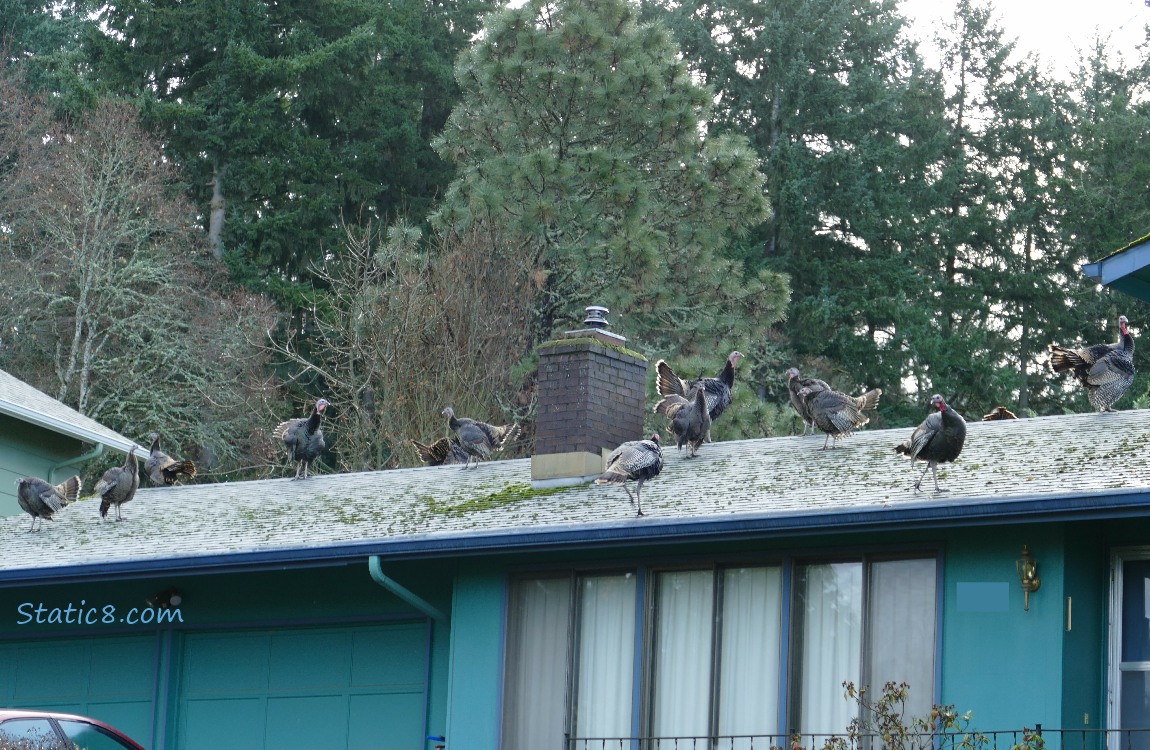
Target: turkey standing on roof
[[1104, 370], [938, 440], [690, 421], [303, 438], [162, 469], [479, 439], [118, 485], [812, 385], [40, 499], [716, 390], [634, 461], [837, 414], [442, 452]]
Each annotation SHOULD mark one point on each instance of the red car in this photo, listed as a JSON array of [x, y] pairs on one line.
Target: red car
[[49, 730]]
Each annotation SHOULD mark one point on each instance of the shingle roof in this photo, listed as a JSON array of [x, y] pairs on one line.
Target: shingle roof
[[1051, 467], [23, 402]]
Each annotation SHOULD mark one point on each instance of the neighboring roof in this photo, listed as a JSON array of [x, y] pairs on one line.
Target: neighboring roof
[[23, 402], [1048, 468], [1126, 269]]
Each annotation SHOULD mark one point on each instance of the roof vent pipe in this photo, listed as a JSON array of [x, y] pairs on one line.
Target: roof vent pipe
[[596, 317]]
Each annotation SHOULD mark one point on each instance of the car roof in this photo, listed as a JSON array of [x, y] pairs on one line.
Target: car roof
[[27, 713]]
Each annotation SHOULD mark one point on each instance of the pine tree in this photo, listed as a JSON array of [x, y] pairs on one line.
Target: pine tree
[[580, 136]]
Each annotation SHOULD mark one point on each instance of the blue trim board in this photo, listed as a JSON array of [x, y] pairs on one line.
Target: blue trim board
[[918, 515]]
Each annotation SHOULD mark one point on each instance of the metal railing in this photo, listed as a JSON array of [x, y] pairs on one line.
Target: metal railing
[[1035, 738]]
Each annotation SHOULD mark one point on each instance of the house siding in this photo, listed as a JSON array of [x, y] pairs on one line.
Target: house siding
[[28, 450]]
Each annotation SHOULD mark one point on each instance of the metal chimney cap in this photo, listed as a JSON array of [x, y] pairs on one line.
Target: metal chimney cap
[[596, 317]]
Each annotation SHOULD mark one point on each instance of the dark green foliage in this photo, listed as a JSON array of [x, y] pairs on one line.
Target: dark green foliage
[[579, 137], [288, 118]]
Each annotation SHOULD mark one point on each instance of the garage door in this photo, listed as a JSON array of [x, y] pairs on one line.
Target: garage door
[[112, 678], [347, 688]]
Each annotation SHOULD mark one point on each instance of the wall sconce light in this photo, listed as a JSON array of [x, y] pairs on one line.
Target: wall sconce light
[[166, 599], [1027, 568]]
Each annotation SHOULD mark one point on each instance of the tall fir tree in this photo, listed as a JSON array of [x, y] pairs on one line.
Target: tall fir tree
[[288, 118], [579, 135]]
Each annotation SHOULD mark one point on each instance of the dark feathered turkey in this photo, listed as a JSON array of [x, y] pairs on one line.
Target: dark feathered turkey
[[1104, 370], [442, 452], [812, 386], [162, 469], [40, 499], [837, 414], [938, 440], [717, 390], [303, 437], [690, 421], [634, 461], [479, 439], [118, 485]]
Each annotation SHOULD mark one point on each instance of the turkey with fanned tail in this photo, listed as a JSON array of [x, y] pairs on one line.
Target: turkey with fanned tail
[[41, 500], [442, 452], [1106, 371], [164, 470], [717, 390], [303, 438], [837, 414], [634, 461], [479, 439]]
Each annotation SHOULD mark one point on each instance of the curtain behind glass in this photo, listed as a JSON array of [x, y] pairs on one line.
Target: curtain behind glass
[[606, 656], [902, 628], [830, 604], [751, 642], [535, 701], [682, 677]]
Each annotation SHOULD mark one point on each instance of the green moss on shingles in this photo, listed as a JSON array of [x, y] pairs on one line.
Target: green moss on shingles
[[589, 340], [509, 495]]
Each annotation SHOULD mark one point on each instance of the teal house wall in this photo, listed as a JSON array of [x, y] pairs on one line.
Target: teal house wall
[[29, 450], [261, 658]]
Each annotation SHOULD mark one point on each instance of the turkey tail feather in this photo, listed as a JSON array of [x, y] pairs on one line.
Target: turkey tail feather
[[70, 489], [282, 428], [667, 382], [869, 400], [1063, 359]]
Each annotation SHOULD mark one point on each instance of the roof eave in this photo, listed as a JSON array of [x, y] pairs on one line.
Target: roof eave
[[65, 428], [922, 515]]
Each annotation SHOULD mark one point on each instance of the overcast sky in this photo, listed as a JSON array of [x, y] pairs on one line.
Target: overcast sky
[[1054, 29]]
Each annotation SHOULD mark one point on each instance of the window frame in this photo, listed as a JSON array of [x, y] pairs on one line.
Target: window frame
[[788, 562]]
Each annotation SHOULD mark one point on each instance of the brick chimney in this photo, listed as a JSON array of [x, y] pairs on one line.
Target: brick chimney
[[592, 398]]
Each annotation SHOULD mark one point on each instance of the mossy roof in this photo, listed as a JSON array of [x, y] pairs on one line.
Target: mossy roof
[[1084, 465]]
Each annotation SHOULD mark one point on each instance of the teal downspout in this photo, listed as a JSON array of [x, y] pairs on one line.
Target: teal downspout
[[375, 567], [94, 453]]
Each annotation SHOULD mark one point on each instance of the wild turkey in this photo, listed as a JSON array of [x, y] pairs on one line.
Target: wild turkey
[[1104, 370], [796, 384], [40, 499], [634, 461], [118, 485], [999, 412], [303, 438], [479, 439], [837, 414], [162, 469], [690, 421], [717, 389], [442, 452], [938, 440]]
